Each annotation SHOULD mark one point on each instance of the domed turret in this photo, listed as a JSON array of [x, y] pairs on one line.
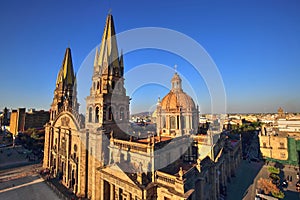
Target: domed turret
[[176, 113]]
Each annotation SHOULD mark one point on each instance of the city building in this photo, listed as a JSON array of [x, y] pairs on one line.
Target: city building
[[281, 141], [36, 119], [98, 158], [20, 120], [4, 118], [17, 121]]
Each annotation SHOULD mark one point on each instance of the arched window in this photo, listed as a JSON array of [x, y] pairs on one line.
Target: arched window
[[98, 85], [97, 115], [90, 114], [122, 116], [75, 151]]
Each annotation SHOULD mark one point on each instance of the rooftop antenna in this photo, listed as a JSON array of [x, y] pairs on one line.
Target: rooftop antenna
[[175, 68], [109, 11]]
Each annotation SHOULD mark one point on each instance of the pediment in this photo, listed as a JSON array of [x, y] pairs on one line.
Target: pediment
[[117, 171]]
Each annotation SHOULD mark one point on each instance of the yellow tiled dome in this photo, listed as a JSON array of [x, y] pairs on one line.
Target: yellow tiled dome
[[175, 100]]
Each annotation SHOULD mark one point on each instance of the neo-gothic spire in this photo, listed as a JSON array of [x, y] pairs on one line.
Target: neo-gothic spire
[[107, 104], [107, 60], [66, 72], [68, 68], [65, 91]]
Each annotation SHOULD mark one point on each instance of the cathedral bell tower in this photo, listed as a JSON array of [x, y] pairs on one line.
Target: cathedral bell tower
[[107, 105], [65, 97]]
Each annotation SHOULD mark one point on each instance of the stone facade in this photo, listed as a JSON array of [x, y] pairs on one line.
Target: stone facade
[[36, 119], [279, 141], [65, 151], [99, 159], [274, 146]]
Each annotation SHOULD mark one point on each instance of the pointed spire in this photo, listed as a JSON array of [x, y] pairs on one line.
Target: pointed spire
[[108, 49], [68, 72]]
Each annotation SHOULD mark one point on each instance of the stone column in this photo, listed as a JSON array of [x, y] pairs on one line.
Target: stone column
[[179, 118], [116, 193], [57, 154], [47, 148], [67, 167], [188, 123], [112, 191], [50, 147], [167, 122]]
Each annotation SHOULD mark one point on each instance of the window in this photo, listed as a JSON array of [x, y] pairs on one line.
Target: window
[[264, 145], [281, 145], [90, 114], [97, 115], [282, 155], [75, 147], [75, 150], [173, 122]]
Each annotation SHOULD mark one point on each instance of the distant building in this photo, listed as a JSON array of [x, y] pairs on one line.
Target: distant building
[[17, 121], [20, 120], [36, 119], [4, 118], [281, 142]]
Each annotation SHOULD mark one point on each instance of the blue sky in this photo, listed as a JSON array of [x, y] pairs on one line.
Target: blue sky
[[254, 44]]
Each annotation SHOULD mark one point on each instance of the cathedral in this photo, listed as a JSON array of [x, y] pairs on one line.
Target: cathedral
[[96, 156]]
